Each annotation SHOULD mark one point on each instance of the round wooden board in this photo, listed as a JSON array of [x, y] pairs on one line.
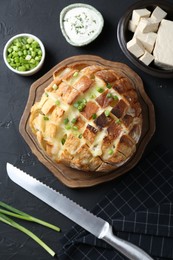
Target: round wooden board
[[71, 177]]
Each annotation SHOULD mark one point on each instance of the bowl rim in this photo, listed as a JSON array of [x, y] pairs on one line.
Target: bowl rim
[[75, 5], [122, 43], [29, 72]]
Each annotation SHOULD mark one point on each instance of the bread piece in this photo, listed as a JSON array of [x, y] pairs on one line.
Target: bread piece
[[89, 118]]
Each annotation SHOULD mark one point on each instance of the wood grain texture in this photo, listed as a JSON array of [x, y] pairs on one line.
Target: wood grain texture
[[71, 177]]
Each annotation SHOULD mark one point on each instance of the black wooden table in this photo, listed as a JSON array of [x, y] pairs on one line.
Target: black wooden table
[[41, 18]]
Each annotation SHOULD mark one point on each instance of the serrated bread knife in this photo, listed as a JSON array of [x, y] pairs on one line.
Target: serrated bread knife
[[93, 224]]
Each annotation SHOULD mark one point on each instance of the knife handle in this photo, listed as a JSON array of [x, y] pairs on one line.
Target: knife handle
[[126, 248]]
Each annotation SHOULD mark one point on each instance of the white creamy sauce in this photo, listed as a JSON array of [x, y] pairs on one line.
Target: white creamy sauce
[[81, 24]]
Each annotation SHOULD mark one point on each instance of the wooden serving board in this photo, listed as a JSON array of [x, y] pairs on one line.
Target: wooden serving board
[[71, 177]]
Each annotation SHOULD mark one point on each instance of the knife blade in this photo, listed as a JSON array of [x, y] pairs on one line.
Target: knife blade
[[93, 224]]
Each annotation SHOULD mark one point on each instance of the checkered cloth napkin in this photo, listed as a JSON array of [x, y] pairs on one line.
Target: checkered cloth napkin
[[140, 209]]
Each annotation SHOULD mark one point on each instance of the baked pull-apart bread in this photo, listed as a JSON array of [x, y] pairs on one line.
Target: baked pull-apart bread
[[88, 118]]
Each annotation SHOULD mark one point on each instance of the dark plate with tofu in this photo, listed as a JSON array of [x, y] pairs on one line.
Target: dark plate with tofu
[[146, 43], [78, 178]]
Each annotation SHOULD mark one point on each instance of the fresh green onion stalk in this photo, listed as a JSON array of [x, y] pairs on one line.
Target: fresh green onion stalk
[[6, 209]]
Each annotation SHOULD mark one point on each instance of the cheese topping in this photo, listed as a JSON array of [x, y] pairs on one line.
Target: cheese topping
[[96, 147], [99, 126]]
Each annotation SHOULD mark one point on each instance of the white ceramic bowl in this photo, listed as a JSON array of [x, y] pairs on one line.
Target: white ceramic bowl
[[29, 72], [84, 25]]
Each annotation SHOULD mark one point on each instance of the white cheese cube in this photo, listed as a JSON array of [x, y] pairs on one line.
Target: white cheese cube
[[163, 50], [138, 14], [135, 47], [148, 25], [147, 39], [132, 26], [146, 58], [158, 14]]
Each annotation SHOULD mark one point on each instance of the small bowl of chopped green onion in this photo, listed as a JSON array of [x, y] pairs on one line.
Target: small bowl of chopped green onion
[[24, 54]]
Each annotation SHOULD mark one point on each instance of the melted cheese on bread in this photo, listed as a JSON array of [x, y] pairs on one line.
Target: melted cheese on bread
[[88, 118]]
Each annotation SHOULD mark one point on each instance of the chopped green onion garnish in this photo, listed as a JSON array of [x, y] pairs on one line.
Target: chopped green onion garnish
[[57, 102], [28, 57], [68, 127], [54, 86], [109, 95], [107, 112], [80, 136], [109, 85], [100, 90], [93, 96], [63, 141], [15, 48], [29, 40], [75, 74], [46, 118], [24, 53], [110, 152], [81, 107], [80, 104], [118, 121], [83, 101], [115, 97], [94, 116], [73, 120], [46, 94], [66, 120], [76, 104], [75, 128]]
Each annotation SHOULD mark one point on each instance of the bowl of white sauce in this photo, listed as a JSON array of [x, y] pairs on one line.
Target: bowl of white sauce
[[80, 24]]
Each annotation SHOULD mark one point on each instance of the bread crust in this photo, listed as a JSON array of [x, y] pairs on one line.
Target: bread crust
[[88, 118]]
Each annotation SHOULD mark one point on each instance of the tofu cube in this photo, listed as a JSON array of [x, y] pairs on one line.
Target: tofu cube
[[163, 50], [146, 58], [138, 14], [158, 14], [132, 26], [148, 25], [135, 47], [147, 39]]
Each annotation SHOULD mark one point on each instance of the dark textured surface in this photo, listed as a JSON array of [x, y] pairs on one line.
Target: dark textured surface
[[41, 17], [139, 209]]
